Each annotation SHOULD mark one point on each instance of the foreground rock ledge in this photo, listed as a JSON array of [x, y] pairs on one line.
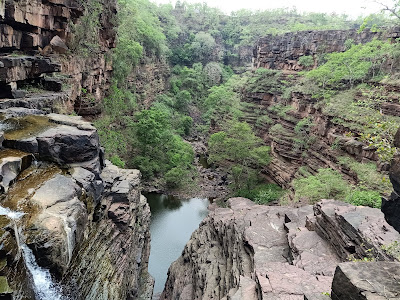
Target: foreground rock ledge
[[247, 251]]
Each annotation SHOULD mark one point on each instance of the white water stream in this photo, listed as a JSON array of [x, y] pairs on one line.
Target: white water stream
[[44, 287]]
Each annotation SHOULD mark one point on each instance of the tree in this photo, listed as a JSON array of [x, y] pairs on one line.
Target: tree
[[203, 46], [242, 150], [394, 9]]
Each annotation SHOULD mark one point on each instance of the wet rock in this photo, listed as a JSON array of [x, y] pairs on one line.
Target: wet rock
[[5, 290], [55, 138], [12, 163], [55, 233], [367, 280], [58, 189]]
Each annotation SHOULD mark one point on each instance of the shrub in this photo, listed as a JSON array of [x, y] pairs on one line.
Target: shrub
[[329, 184], [261, 193], [326, 184], [117, 161], [175, 176], [306, 61], [359, 63], [364, 198]]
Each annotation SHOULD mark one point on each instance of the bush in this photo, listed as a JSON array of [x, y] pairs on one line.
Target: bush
[[262, 193], [175, 176], [326, 184], [117, 161], [329, 184], [306, 61], [364, 198], [359, 63]]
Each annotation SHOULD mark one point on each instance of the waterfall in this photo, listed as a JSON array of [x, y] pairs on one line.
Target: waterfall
[[14, 216], [43, 285]]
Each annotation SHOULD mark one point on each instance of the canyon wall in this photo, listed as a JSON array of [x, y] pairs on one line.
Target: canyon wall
[[37, 31], [282, 52], [332, 135], [63, 208], [248, 251], [324, 251]]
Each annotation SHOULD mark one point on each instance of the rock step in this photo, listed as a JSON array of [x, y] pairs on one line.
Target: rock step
[[367, 280], [354, 232]]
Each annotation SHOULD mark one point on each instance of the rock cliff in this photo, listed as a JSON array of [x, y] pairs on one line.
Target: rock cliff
[[247, 251], [283, 51], [84, 219], [332, 133], [36, 40], [63, 208]]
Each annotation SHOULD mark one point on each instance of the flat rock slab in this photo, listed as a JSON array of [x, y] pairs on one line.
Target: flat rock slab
[[58, 189], [25, 67], [367, 281], [57, 138]]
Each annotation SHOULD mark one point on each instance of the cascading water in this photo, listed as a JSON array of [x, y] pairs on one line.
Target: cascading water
[[43, 285]]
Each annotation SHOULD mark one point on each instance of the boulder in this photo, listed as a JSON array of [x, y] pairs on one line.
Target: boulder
[[56, 138], [367, 281], [12, 163], [391, 205], [58, 45], [355, 232]]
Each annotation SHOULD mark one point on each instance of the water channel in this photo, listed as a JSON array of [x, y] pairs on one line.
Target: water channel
[[173, 222]]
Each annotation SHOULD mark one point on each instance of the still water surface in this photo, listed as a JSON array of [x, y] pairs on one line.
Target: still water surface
[[173, 222]]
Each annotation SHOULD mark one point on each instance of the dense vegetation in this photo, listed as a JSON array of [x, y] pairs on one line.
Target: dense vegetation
[[206, 79]]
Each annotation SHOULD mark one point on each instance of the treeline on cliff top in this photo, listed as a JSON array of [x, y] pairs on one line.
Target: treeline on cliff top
[[198, 43]]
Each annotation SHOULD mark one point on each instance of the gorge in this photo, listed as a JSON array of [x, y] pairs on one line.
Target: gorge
[[284, 143]]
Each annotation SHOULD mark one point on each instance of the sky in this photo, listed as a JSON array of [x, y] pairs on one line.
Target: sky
[[352, 8]]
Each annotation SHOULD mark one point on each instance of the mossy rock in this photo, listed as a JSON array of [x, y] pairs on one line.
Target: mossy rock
[[4, 287], [3, 264]]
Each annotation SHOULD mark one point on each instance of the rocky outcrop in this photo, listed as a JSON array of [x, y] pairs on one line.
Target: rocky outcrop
[[247, 251], [356, 281], [84, 219], [38, 38], [282, 52], [391, 205], [112, 261]]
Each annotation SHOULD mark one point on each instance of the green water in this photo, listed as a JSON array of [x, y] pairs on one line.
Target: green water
[[173, 222]]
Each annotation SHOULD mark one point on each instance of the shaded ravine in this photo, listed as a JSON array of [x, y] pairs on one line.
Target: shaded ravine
[[173, 221]]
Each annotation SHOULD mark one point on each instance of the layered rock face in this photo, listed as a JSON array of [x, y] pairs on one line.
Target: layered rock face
[[35, 40], [247, 251], [330, 135], [85, 220], [283, 51]]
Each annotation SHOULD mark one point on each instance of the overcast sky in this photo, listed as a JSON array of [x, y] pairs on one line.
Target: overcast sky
[[349, 7]]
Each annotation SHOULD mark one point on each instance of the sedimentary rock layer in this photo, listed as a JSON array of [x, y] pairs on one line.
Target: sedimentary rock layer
[[247, 251]]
